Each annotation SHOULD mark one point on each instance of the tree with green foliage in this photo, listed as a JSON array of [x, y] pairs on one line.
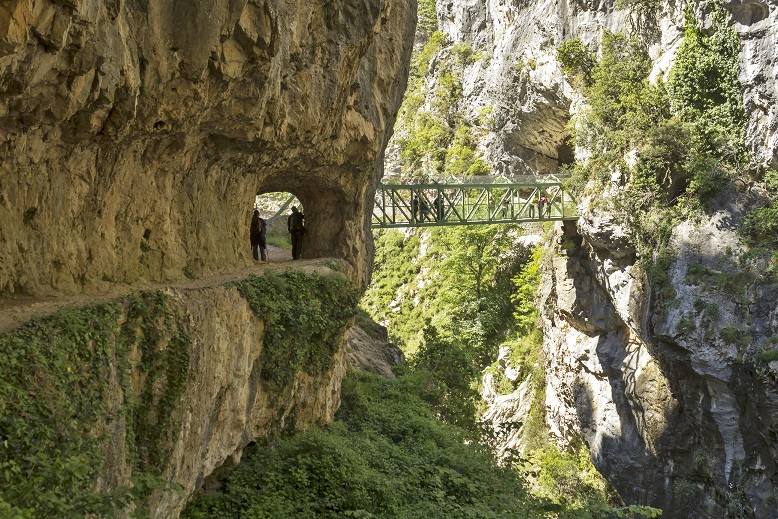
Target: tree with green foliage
[[452, 369], [705, 89], [462, 159], [427, 19], [673, 147], [387, 456], [576, 60]]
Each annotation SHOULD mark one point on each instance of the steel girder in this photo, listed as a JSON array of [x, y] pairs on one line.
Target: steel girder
[[432, 205]]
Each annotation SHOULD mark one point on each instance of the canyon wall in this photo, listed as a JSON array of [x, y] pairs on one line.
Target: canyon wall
[[669, 385], [517, 77], [135, 404], [136, 134]]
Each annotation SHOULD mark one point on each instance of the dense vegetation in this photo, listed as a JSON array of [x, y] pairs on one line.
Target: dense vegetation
[[413, 447], [433, 136], [673, 146], [55, 411], [59, 378], [453, 298], [388, 455], [305, 317]]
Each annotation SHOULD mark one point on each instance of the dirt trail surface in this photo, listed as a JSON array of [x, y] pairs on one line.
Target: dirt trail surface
[[15, 311]]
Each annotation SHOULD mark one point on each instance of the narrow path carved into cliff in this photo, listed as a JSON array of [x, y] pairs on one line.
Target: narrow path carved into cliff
[[15, 311]]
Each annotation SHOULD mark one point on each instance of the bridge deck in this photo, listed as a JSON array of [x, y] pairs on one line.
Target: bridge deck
[[438, 205]]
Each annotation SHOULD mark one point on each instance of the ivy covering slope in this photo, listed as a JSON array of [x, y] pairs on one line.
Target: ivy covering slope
[[55, 417], [58, 401], [305, 317], [386, 456]]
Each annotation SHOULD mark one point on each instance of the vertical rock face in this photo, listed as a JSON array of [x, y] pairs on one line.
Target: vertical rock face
[[668, 390], [664, 383], [135, 134], [520, 79], [225, 404]]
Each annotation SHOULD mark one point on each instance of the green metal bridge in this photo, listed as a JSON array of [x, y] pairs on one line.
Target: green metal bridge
[[464, 203]]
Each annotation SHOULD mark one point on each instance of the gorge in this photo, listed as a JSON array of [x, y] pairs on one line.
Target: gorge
[[621, 365]]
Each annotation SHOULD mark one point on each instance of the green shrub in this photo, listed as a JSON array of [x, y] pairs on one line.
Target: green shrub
[[386, 456], [463, 52], [705, 88], [735, 336], [767, 355], [448, 93], [576, 60], [421, 61], [305, 316], [55, 385], [452, 369], [428, 19], [685, 141], [462, 159], [428, 138]]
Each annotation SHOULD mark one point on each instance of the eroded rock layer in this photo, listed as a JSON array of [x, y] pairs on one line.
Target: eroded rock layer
[[664, 382], [151, 397], [518, 80], [135, 134]]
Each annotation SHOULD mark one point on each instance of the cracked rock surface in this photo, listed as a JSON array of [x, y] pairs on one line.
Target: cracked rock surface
[[134, 134]]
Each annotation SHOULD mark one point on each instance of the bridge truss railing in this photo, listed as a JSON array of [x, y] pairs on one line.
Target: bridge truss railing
[[429, 205]]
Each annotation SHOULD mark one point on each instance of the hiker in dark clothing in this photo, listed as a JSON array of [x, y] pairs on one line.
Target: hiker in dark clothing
[[424, 209], [440, 208], [296, 225], [258, 236], [414, 208]]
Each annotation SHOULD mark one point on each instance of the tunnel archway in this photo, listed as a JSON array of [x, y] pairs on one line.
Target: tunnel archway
[[275, 208], [331, 213]]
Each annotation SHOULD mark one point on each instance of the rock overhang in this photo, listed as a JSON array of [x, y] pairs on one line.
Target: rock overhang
[[136, 135]]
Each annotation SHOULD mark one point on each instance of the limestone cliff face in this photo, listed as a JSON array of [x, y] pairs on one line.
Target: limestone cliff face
[[135, 134], [225, 404], [665, 384], [519, 79], [163, 390]]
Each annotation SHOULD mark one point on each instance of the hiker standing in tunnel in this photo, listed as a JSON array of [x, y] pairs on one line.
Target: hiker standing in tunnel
[[296, 226], [258, 237]]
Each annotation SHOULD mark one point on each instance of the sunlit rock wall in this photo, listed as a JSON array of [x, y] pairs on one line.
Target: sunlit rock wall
[[670, 394], [666, 383], [519, 79], [135, 134]]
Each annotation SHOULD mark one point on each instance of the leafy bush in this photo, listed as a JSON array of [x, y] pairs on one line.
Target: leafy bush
[[704, 86], [761, 224], [428, 19], [452, 369], [576, 60], [55, 382], [304, 315], [421, 61], [386, 456], [462, 158]]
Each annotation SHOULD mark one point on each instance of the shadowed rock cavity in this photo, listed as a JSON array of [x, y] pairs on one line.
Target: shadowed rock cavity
[[134, 133]]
